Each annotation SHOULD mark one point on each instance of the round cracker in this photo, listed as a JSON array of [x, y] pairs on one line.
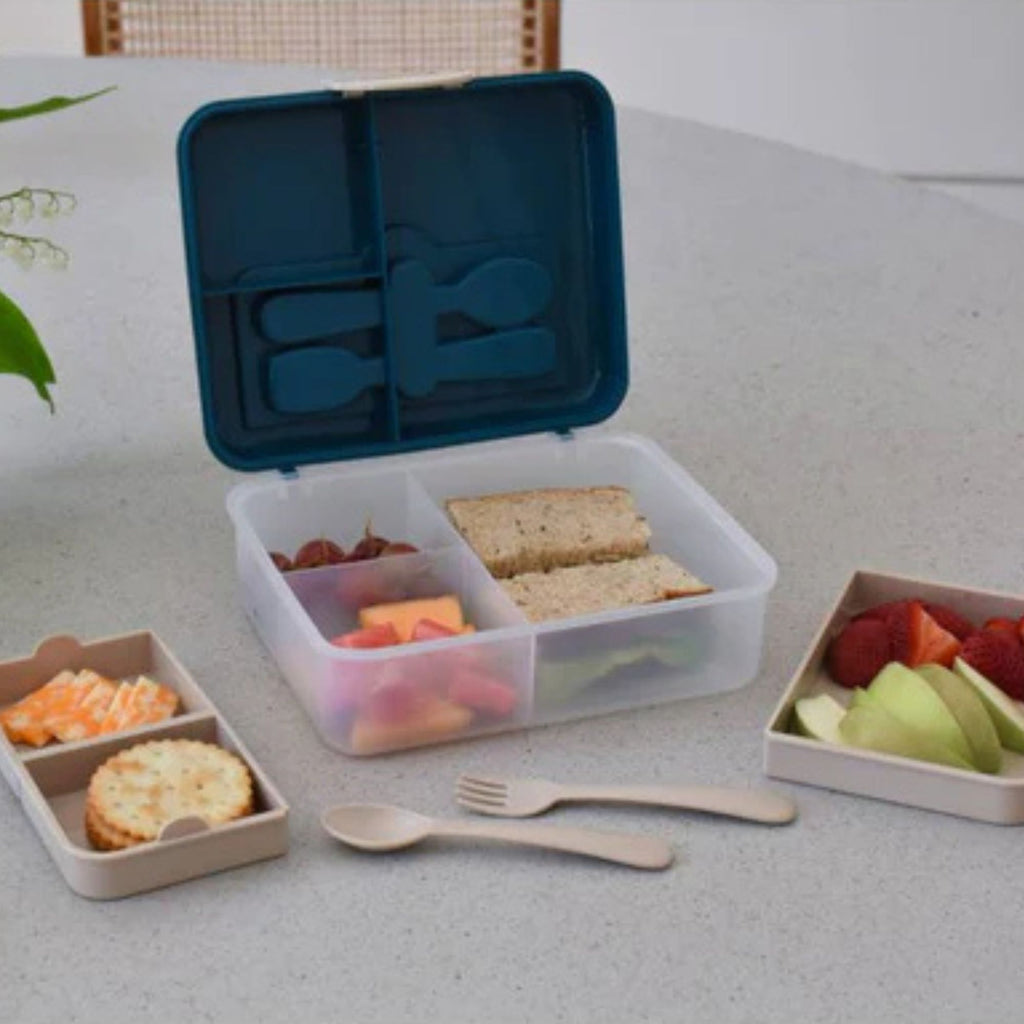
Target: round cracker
[[139, 790], [103, 835]]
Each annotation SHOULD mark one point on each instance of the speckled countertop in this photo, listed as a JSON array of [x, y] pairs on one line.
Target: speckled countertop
[[837, 357]]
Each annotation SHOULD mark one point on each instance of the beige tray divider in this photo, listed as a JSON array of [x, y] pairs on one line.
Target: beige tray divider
[[126, 737]]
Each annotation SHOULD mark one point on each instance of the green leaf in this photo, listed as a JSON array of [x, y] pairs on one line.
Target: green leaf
[[50, 105], [21, 351]]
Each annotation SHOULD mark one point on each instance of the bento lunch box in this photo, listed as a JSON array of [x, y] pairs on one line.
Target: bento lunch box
[[410, 295]]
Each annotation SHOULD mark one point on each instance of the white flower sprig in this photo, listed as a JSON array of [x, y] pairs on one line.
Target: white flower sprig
[[23, 205]]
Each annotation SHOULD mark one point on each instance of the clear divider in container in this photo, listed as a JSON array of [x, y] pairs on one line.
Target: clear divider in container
[[463, 666]]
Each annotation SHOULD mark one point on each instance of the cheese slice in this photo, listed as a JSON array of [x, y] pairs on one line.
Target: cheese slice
[[146, 702], [23, 722], [117, 708], [85, 718]]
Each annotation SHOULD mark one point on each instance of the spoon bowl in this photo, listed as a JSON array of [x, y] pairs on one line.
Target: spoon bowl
[[375, 826]]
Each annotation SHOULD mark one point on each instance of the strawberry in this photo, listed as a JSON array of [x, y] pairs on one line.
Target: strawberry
[[999, 658], [951, 621], [1020, 629], [917, 639], [1001, 625], [879, 611], [857, 654]]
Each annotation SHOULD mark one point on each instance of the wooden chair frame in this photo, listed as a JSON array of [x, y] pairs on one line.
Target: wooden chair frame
[[103, 31]]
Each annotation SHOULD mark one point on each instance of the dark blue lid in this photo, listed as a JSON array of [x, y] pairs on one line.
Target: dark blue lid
[[389, 271]]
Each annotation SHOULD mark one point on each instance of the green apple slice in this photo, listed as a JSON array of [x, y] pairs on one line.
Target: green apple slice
[[818, 717], [967, 708], [861, 698], [906, 696], [872, 728], [1007, 716]]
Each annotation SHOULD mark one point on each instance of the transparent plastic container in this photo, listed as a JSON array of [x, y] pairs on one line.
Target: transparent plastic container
[[510, 673]]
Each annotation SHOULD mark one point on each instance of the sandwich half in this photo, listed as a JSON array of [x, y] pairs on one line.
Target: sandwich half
[[533, 531], [583, 589]]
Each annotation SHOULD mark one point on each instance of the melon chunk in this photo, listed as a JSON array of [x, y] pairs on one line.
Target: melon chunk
[[434, 720], [404, 615]]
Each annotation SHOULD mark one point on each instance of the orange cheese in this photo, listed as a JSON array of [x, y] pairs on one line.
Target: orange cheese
[[75, 706], [116, 709], [24, 722], [146, 702], [404, 615], [83, 720]]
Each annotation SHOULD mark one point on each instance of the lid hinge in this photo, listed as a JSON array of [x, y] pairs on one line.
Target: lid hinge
[[288, 472], [565, 433], [440, 80]]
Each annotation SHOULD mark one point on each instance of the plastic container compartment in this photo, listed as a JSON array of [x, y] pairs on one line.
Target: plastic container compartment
[[52, 781], [993, 798], [563, 669]]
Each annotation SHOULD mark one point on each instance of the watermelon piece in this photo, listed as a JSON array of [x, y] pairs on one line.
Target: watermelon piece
[[480, 692], [369, 638], [395, 701]]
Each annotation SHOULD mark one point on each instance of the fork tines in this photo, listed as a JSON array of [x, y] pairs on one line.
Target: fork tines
[[471, 790]]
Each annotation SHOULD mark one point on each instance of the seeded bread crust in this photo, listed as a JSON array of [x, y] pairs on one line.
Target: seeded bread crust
[[584, 589], [533, 531]]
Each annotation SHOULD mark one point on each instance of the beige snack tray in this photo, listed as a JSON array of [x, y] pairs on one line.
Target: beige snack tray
[[51, 781], [993, 798]]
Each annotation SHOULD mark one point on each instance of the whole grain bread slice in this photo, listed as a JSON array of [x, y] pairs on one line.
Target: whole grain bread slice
[[583, 589], [532, 531]]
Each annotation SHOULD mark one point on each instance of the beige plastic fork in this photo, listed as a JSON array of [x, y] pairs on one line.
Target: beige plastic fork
[[523, 798]]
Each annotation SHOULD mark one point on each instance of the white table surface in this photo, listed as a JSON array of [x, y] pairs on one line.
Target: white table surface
[[836, 356]]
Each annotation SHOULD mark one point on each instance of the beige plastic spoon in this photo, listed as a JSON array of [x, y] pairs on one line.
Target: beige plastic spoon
[[380, 828]]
